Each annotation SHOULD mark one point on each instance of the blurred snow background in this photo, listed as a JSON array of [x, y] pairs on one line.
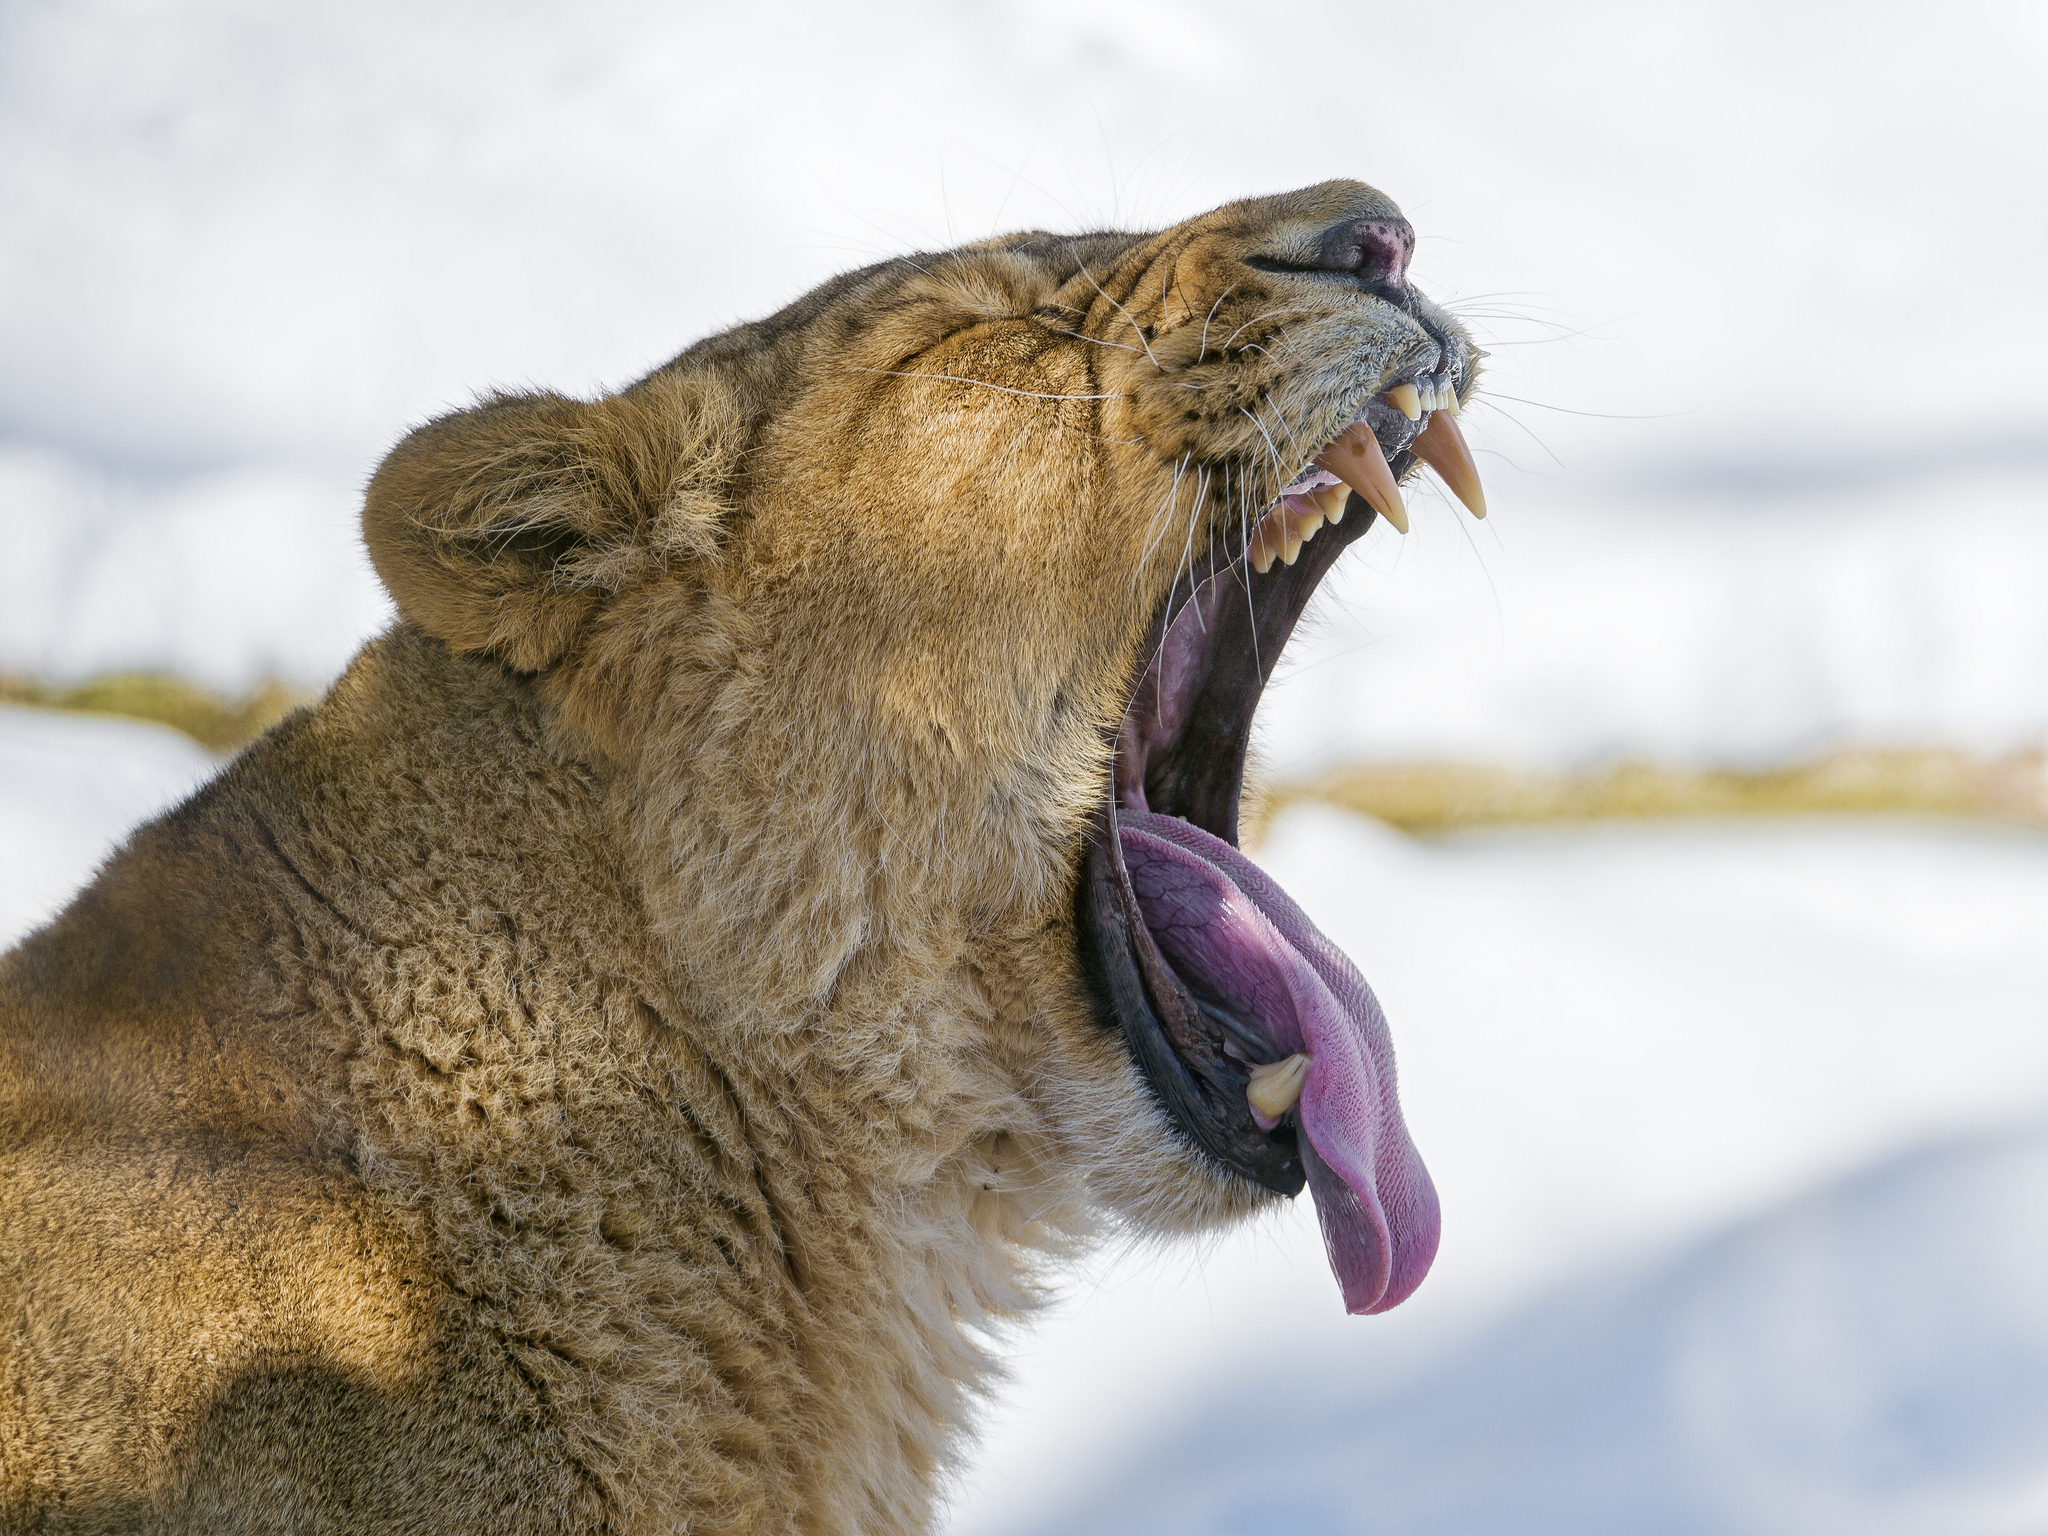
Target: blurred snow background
[[1743, 1131]]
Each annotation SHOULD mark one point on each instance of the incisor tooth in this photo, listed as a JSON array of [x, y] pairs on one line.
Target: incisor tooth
[[1451, 398], [1442, 447], [1355, 458], [1404, 399], [1275, 1087]]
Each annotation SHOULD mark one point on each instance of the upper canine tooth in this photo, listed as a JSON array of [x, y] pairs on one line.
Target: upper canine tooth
[[1404, 399], [1356, 459], [1275, 1087], [1442, 447]]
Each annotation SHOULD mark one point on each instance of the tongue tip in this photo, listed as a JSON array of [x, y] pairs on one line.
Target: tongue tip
[[1412, 1261], [1378, 1208], [1381, 1235]]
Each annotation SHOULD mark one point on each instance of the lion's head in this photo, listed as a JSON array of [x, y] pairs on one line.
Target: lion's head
[[920, 629]]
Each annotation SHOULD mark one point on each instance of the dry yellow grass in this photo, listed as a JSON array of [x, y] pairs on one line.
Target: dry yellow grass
[[216, 723], [1422, 798], [1447, 797]]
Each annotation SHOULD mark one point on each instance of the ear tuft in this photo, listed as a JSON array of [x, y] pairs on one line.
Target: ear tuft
[[503, 528]]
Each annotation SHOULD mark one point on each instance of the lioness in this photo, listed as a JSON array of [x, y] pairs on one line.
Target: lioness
[[773, 891]]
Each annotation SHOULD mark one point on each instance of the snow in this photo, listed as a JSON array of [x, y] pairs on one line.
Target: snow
[[1576, 628], [1742, 1138], [246, 233], [1742, 1130], [1764, 422], [71, 786], [1870, 1359], [224, 578]]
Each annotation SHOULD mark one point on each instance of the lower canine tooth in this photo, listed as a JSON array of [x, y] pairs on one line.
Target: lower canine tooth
[[1275, 1087], [1404, 399]]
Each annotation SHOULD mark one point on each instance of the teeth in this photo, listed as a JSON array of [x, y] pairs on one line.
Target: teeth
[[1442, 447], [1355, 458], [1300, 529], [1360, 465], [1293, 521], [1265, 545], [1275, 1087]]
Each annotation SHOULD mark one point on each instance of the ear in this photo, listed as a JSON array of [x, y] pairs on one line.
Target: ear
[[503, 528]]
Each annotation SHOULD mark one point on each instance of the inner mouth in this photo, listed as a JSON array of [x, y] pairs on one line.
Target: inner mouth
[[1259, 1037]]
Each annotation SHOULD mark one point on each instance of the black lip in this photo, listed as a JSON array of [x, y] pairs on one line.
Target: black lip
[[1179, 1043], [1134, 990]]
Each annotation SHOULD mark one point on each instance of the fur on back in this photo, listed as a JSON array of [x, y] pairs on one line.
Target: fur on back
[[612, 1064]]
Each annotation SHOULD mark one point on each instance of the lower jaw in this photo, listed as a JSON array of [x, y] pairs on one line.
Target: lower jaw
[[1181, 1054], [1180, 753]]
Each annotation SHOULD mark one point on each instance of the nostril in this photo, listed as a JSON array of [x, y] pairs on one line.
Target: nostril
[[1376, 249]]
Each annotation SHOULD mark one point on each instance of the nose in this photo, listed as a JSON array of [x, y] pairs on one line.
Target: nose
[[1377, 250]]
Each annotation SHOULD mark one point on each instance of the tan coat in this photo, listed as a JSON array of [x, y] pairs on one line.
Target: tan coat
[[607, 1065]]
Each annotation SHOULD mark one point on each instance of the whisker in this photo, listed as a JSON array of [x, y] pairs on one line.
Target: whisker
[[1488, 401], [1188, 555], [1292, 436], [1162, 519], [1201, 500], [1121, 346], [1003, 389], [1251, 608], [1255, 319], [1226, 293], [1122, 311], [1492, 394], [1272, 449]]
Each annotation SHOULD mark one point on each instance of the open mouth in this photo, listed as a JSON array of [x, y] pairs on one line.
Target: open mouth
[[1257, 1034]]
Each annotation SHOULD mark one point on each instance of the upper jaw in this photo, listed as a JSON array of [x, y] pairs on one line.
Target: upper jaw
[[1217, 636]]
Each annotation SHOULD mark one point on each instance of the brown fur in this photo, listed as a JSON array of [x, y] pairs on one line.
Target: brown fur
[[606, 1066]]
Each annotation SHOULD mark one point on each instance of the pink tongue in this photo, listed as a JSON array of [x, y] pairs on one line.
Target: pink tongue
[[1235, 936]]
